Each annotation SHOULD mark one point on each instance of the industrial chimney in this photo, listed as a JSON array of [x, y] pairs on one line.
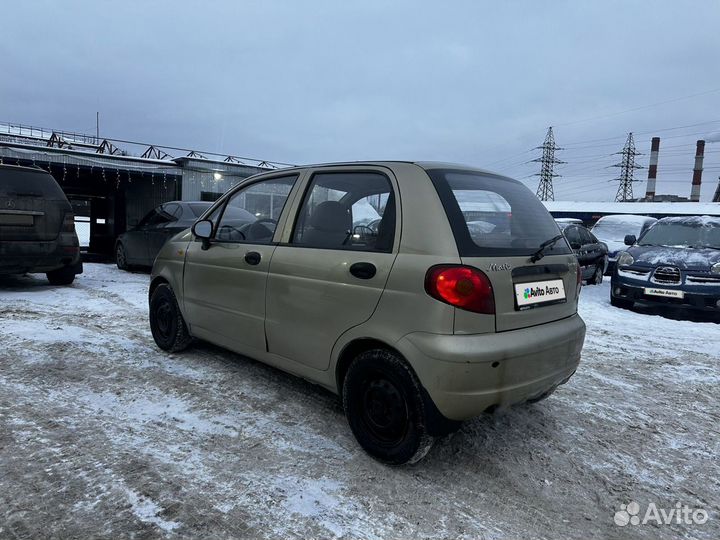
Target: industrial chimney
[[697, 172], [652, 170]]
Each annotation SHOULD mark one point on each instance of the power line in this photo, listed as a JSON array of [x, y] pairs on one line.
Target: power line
[[649, 106]]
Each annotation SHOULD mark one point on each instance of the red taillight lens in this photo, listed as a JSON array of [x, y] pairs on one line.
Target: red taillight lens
[[464, 287], [68, 223]]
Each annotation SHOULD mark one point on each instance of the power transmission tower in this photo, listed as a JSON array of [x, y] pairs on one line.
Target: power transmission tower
[[627, 170], [547, 163]]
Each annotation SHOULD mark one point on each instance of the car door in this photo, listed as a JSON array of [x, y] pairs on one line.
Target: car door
[[135, 240], [591, 249], [160, 229], [329, 272], [572, 234], [225, 279]]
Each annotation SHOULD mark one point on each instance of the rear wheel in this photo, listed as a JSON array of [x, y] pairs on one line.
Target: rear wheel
[[62, 276], [621, 303], [384, 407], [166, 322], [120, 257]]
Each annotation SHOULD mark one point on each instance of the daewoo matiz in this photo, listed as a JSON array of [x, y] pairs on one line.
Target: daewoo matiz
[[423, 294]]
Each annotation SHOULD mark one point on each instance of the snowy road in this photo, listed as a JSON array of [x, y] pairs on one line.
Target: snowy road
[[104, 435]]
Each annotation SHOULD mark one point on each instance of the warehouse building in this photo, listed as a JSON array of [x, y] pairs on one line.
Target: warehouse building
[[110, 188]]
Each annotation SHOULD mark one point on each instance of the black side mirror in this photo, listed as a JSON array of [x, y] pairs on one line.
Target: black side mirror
[[203, 230], [630, 239]]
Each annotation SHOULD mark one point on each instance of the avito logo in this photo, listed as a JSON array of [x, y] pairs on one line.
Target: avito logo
[[540, 291]]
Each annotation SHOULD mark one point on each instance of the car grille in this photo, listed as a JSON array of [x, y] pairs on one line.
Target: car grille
[[704, 279], [667, 275]]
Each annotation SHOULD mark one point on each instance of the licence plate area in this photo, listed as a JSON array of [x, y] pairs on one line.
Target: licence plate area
[[16, 220], [535, 293], [666, 293]]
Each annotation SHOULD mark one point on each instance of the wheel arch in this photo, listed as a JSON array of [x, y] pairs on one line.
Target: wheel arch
[[437, 424]]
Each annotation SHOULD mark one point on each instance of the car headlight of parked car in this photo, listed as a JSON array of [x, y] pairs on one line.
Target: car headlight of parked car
[[715, 268], [625, 259]]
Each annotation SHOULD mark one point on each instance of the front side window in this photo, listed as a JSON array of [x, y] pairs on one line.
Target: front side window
[[493, 215], [347, 210], [251, 214]]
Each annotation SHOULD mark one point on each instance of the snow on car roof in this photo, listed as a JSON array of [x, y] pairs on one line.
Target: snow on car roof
[[694, 221], [626, 218]]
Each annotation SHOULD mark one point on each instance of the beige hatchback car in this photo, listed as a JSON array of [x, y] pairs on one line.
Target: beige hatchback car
[[422, 293]]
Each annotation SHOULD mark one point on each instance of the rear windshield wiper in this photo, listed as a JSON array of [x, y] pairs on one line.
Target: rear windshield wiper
[[540, 253]]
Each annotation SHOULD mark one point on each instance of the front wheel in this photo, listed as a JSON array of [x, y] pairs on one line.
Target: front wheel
[[384, 407], [597, 278], [166, 322]]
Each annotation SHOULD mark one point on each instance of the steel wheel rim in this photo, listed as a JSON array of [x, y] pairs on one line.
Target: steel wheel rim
[[384, 411]]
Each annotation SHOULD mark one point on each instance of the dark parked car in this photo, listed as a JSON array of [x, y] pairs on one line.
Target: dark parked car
[[37, 226], [590, 252], [675, 263], [140, 245]]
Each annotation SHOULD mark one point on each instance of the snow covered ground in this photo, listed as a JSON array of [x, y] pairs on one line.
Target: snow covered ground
[[104, 435]]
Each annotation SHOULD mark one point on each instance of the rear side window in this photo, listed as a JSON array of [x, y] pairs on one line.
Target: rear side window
[[492, 215]]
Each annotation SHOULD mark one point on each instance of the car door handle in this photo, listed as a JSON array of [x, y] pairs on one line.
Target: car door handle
[[363, 270], [253, 258]]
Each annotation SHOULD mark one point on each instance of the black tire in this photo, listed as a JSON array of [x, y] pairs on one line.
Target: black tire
[[62, 276], [597, 277], [384, 407], [166, 322], [121, 257], [621, 303]]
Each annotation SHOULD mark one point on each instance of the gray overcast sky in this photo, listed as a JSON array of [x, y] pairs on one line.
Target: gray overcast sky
[[471, 82]]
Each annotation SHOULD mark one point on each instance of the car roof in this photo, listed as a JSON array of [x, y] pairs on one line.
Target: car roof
[[427, 165], [696, 221]]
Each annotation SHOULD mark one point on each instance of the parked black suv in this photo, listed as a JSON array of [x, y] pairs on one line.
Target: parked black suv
[[37, 226]]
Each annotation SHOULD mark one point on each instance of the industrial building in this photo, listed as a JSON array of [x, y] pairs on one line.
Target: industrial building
[[111, 189]]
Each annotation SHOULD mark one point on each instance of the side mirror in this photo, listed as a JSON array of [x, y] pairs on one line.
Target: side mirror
[[630, 239], [203, 230]]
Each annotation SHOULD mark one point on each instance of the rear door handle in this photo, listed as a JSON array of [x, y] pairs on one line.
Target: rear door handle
[[363, 270], [252, 258]]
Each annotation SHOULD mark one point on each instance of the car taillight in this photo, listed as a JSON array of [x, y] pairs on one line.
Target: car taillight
[[464, 287], [578, 279], [68, 223]]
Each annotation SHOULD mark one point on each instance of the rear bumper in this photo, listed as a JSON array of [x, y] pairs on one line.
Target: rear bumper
[[468, 374], [700, 297], [29, 257]]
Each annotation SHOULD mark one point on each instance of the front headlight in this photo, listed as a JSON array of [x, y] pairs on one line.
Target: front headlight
[[715, 268], [625, 259]]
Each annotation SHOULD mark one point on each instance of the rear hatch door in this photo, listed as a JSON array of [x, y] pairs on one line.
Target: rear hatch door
[[32, 205], [499, 224]]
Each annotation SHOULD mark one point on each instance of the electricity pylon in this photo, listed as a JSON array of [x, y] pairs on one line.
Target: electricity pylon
[[627, 170], [547, 164]]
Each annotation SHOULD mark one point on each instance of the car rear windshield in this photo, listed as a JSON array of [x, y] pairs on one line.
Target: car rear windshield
[[692, 232], [23, 182], [493, 215], [199, 208]]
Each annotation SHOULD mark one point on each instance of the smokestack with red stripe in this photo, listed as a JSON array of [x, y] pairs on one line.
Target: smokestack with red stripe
[[652, 169], [697, 172]]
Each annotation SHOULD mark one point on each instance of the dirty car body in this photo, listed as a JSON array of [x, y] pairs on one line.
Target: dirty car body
[[674, 264], [443, 309], [37, 226]]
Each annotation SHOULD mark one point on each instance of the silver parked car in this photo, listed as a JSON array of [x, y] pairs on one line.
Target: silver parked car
[[462, 298]]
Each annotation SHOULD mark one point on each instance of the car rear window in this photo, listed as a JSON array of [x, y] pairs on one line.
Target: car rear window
[[24, 182], [493, 215], [199, 208]]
